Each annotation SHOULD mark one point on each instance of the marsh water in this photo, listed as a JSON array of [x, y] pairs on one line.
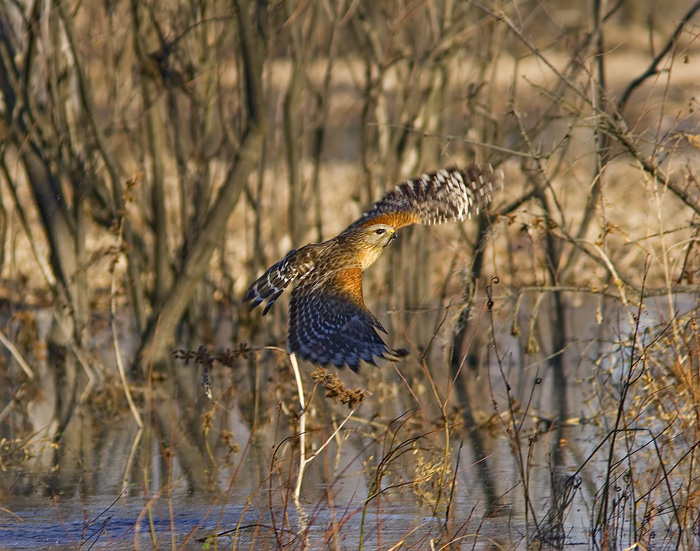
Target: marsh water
[[402, 471]]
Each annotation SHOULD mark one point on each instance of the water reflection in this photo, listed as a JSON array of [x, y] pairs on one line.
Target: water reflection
[[514, 471]]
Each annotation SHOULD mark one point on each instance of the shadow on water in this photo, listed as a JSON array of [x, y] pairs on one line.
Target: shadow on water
[[487, 459]]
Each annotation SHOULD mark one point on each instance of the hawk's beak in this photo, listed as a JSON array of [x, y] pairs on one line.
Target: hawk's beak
[[392, 236]]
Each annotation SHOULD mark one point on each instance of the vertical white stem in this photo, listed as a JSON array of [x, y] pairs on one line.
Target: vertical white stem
[[302, 427]]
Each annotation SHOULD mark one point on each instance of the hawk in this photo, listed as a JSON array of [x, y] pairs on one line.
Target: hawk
[[328, 319]]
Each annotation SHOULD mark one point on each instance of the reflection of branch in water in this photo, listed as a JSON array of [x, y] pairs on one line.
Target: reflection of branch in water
[[115, 341], [302, 528], [99, 530], [552, 531], [206, 539], [130, 459]]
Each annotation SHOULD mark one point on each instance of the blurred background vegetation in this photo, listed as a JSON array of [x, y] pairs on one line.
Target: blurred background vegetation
[[156, 157]]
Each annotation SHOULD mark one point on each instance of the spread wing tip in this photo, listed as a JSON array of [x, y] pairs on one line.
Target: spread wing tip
[[396, 355], [444, 195]]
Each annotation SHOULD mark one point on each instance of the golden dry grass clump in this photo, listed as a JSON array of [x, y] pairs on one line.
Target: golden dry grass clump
[[336, 389]]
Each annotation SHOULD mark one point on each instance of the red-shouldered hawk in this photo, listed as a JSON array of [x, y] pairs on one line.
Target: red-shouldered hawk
[[328, 319]]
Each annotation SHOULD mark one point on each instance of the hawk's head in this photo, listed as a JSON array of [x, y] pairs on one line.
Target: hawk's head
[[371, 239]]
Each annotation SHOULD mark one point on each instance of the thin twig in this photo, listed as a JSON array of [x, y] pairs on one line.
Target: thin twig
[[16, 355], [652, 69]]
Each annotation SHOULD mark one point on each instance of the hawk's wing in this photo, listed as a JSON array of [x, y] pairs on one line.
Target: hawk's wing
[[274, 281], [442, 196], [329, 322]]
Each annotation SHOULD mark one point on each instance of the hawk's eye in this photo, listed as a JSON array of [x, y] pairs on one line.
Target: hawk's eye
[[380, 231]]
